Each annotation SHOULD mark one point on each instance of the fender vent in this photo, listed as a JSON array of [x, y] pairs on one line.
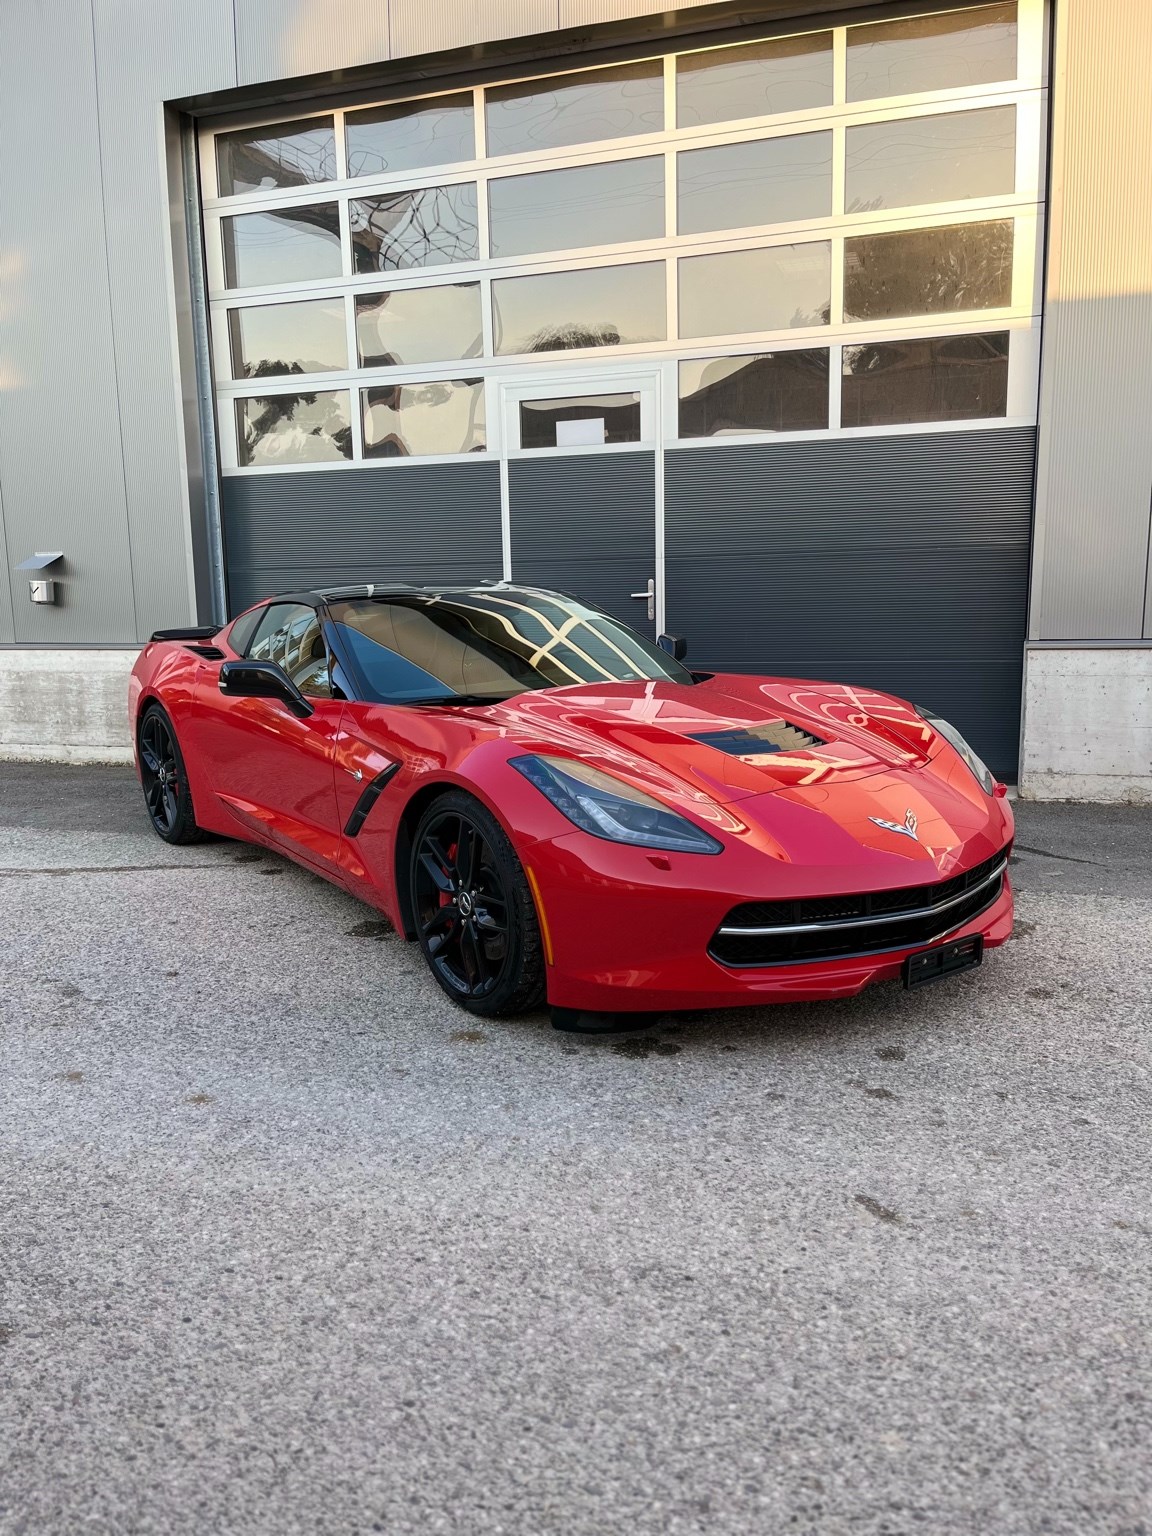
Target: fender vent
[[209, 652]]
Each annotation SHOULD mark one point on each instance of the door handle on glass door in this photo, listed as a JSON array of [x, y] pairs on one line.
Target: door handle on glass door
[[649, 592]]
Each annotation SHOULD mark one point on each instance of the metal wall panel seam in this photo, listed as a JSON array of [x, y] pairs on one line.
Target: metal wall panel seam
[[112, 313], [7, 629], [429, 26], [144, 54], [277, 40]]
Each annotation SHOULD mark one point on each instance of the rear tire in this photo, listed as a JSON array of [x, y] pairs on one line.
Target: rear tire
[[164, 779], [475, 918]]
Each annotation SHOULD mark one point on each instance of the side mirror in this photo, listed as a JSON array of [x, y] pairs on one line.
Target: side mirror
[[263, 680], [675, 645]]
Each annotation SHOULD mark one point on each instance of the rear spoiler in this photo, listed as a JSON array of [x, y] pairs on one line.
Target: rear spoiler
[[197, 632]]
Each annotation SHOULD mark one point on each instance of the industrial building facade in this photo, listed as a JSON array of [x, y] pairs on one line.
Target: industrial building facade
[[759, 323]]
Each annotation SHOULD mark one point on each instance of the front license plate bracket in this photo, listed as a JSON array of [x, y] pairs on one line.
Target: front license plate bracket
[[928, 965]]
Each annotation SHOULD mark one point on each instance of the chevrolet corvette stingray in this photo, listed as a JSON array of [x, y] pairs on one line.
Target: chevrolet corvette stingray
[[557, 810]]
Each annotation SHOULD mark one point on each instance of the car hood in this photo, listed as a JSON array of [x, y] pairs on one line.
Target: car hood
[[819, 771]]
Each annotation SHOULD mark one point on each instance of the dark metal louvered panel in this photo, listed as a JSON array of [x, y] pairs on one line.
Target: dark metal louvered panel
[[899, 563], [416, 523], [586, 524]]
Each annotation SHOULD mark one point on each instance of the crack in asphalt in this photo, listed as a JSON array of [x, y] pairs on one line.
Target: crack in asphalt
[[1065, 858]]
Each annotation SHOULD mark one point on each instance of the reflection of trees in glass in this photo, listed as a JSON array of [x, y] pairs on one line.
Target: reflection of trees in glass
[[928, 271], [424, 227], [565, 337], [776, 392], [403, 137], [265, 417], [411, 431], [288, 155], [941, 378]]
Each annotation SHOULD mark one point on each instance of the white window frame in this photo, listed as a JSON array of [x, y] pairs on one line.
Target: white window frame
[[1021, 317]]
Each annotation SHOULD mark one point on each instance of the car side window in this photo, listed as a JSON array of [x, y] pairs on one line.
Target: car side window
[[289, 634], [243, 629]]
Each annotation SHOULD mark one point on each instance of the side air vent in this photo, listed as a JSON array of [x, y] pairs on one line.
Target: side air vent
[[759, 740], [209, 652]]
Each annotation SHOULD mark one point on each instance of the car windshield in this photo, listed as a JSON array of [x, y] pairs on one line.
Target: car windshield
[[490, 645]]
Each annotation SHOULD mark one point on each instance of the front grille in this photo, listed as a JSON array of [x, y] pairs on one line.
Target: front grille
[[827, 927]]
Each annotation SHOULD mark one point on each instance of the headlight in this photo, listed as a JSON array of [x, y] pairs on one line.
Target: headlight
[[607, 807], [951, 735]]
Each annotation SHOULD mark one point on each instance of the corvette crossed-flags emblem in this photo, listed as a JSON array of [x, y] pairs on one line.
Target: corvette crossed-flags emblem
[[907, 828]]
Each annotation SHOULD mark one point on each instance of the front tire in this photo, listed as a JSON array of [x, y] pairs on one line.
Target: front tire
[[475, 917], [165, 779]]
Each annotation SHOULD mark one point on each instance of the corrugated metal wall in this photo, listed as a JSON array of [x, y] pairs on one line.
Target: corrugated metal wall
[[1094, 489], [414, 523]]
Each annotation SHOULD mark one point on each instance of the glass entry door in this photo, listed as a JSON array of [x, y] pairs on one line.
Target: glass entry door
[[582, 489]]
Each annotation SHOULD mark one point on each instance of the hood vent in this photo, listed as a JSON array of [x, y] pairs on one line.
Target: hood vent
[[760, 740]]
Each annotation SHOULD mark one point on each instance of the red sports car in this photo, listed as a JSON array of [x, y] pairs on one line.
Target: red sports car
[[558, 810]]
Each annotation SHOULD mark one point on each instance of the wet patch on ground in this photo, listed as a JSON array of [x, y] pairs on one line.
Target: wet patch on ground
[[640, 1046], [371, 928], [874, 1208]]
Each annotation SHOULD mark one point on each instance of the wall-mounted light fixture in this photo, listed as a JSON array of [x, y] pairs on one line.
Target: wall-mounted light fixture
[[41, 589]]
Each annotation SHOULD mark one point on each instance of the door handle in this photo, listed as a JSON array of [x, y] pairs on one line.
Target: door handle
[[649, 592]]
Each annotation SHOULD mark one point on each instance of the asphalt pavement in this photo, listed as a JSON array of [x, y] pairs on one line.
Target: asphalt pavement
[[288, 1244]]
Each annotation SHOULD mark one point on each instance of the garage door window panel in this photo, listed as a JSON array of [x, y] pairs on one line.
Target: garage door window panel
[[784, 74], [424, 227], [928, 271], [768, 392], [763, 181], [281, 155], [945, 378], [932, 53], [268, 340], [292, 245], [948, 157], [419, 325], [594, 307], [619, 202], [444, 416], [537, 115], [385, 140], [777, 288], [272, 430]]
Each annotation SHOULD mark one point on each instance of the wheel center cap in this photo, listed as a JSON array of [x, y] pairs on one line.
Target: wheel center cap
[[466, 904]]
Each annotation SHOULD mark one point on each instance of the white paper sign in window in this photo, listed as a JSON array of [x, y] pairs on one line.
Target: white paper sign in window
[[592, 432]]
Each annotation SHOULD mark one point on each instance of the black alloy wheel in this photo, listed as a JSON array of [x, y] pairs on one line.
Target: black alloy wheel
[[475, 917], [164, 780]]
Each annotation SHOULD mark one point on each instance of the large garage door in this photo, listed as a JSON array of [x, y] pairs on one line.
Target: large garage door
[[755, 322]]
